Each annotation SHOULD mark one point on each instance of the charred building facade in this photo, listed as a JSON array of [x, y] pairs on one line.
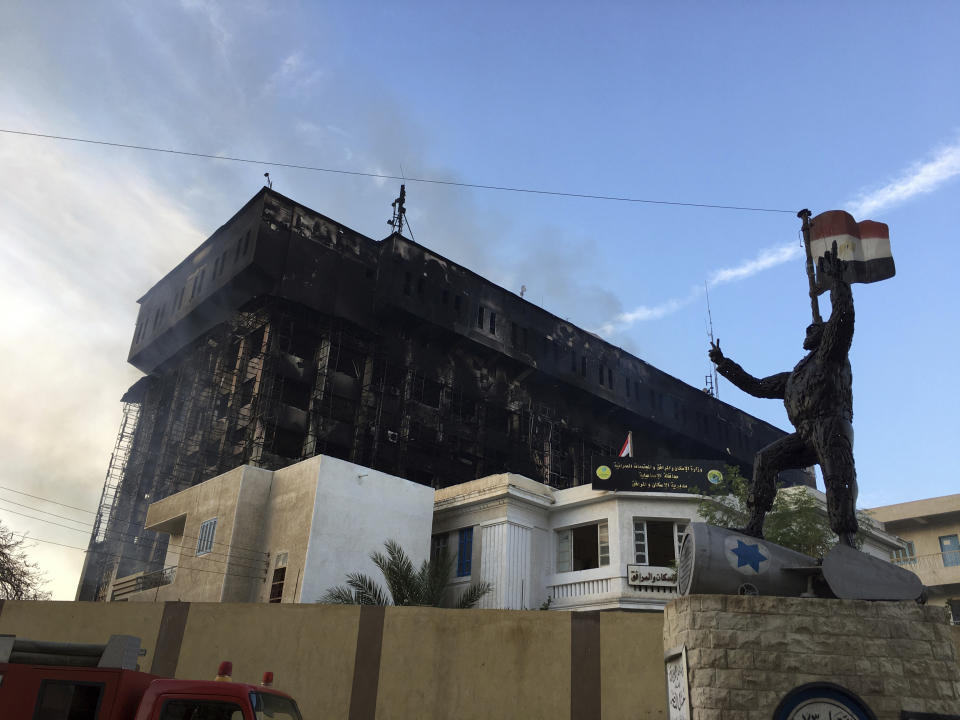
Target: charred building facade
[[286, 335]]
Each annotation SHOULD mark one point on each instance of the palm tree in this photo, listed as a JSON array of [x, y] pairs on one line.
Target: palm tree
[[405, 584]]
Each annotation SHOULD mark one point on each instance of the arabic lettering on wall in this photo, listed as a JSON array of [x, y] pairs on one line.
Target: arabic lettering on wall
[[678, 707]]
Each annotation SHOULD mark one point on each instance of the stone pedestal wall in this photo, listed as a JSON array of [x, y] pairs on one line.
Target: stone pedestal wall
[[744, 654]]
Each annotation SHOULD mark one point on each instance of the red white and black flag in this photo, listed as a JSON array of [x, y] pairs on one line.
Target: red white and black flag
[[627, 449], [865, 246]]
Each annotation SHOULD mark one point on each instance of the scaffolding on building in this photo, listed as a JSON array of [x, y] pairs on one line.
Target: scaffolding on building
[[279, 382], [116, 469]]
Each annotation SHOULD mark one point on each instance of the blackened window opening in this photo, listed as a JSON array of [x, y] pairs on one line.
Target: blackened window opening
[[276, 586]]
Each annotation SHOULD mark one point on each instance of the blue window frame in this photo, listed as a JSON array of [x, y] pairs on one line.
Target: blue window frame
[[950, 547], [205, 537], [464, 552]]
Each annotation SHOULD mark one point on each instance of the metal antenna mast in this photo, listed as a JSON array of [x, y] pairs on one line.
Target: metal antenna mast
[[712, 381], [399, 211]]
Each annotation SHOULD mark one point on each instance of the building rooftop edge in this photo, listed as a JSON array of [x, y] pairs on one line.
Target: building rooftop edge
[[926, 507]]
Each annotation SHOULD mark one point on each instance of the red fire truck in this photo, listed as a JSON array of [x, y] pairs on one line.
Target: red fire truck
[[42, 680]]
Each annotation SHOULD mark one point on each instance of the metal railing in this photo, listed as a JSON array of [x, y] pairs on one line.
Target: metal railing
[[950, 558], [139, 583]]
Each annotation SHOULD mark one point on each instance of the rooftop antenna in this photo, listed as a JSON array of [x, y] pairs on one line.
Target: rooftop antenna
[[712, 381], [269, 181], [523, 289], [399, 211]]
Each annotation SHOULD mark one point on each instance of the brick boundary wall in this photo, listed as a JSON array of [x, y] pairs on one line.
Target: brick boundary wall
[[745, 654]]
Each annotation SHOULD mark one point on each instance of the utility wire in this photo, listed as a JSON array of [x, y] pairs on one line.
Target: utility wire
[[204, 556], [107, 531], [383, 176], [128, 536], [37, 497], [79, 530], [75, 547], [128, 539], [45, 512], [114, 535]]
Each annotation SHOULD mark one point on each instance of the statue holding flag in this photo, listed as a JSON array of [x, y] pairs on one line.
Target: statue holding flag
[[817, 393]]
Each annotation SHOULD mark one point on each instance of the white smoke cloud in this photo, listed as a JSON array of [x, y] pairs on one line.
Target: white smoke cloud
[[82, 241]]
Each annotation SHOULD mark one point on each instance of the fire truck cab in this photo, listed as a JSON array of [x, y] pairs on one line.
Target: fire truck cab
[[71, 681]]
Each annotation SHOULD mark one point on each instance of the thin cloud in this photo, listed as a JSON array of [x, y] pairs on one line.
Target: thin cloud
[[213, 14], [921, 178], [643, 313], [294, 75], [771, 257]]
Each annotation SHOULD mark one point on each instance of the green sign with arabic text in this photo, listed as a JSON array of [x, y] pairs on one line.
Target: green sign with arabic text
[[637, 475]]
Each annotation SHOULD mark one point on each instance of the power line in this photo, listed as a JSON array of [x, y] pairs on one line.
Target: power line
[[75, 547], [384, 176], [37, 497], [130, 538], [46, 512], [123, 536], [51, 522]]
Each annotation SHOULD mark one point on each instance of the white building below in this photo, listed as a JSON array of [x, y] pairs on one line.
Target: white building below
[[252, 535], [573, 547]]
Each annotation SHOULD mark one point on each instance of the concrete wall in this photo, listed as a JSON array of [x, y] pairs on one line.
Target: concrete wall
[[356, 510], [287, 517], [235, 567], [324, 515], [369, 662]]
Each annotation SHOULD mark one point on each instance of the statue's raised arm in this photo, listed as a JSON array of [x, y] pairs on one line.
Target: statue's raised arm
[[838, 332], [772, 387]]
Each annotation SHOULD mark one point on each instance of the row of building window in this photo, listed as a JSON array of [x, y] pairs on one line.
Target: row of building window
[[487, 321], [586, 547], [195, 282], [656, 542], [605, 376]]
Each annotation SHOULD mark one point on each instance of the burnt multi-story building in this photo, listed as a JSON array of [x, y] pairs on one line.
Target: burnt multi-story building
[[286, 334]]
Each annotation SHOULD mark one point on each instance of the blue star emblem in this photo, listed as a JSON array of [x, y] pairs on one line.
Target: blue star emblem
[[748, 555]]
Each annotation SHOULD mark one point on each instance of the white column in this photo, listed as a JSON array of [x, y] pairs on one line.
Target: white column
[[506, 562]]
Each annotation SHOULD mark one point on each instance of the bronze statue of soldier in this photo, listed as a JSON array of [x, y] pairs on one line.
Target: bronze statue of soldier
[[818, 397]]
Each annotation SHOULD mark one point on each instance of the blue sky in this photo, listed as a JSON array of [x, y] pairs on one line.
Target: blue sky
[[779, 105]]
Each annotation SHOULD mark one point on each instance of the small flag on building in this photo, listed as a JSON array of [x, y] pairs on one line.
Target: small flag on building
[[627, 449], [865, 246]]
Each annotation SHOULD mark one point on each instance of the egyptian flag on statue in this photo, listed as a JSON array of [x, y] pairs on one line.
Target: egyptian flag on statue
[[865, 245]]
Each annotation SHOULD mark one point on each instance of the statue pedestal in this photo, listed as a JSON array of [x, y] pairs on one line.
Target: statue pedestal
[[746, 656]]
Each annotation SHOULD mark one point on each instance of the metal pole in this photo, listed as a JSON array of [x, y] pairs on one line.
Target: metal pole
[[804, 215]]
